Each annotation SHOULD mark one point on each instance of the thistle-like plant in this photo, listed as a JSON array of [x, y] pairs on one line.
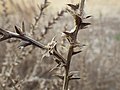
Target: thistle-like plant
[[51, 48]]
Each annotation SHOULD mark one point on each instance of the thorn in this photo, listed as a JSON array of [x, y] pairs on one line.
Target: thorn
[[18, 31], [74, 7], [23, 26], [87, 17], [84, 25], [24, 44], [74, 78], [73, 75], [74, 53], [67, 33]]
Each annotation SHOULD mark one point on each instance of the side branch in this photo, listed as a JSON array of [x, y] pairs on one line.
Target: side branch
[[7, 35]]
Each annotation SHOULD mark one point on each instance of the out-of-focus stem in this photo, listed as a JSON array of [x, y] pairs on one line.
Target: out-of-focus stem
[[66, 77]]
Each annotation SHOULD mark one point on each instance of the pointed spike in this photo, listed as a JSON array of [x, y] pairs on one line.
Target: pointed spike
[[24, 44], [18, 31], [74, 78], [23, 26], [84, 25], [74, 53], [74, 7], [67, 33], [87, 17]]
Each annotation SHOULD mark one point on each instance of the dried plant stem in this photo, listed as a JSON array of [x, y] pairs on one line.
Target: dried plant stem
[[51, 48], [71, 51], [82, 7], [41, 12], [66, 77]]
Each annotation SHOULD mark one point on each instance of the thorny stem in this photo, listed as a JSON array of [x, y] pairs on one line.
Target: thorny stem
[[66, 78], [20, 35], [70, 53]]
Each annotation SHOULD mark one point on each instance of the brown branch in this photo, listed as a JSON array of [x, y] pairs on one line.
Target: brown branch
[[66, 77], [72, 40], [7, 35], [59, 56]]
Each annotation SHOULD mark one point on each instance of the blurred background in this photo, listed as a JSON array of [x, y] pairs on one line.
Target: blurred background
[[98, 65]]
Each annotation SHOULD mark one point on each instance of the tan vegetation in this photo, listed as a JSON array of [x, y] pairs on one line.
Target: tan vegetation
[[31, 68], [93, 7]]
